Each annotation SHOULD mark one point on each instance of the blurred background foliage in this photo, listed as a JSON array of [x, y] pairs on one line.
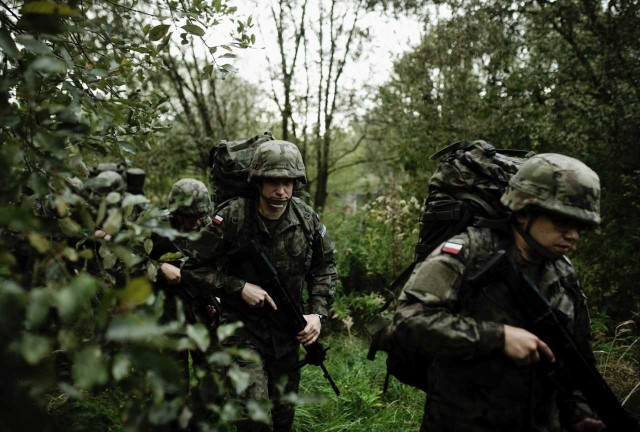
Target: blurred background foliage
[[147, 84]]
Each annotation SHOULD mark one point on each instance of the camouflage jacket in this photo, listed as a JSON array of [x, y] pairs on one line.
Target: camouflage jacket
[[300, 257], [172, 252], [458, 328]]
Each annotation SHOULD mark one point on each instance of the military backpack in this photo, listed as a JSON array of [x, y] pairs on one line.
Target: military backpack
[[464, 191], [229, 167]]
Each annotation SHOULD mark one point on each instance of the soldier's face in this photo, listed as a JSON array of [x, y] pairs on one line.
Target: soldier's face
[[189, 223], [276, 193], [556, 234]]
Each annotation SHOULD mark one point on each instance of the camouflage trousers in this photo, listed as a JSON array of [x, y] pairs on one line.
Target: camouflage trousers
[[270, 379]]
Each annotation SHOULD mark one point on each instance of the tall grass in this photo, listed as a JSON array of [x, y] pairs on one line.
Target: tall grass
[[361, 406]]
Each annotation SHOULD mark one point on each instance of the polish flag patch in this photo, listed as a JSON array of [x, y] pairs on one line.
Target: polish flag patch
[[452, 248], [217, 219]]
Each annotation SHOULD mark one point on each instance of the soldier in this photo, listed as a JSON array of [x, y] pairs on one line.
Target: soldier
[[189, 210], [482, 372], [291, 236]]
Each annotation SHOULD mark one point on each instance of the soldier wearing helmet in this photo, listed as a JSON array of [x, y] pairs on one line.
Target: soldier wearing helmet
[[189, 204], [189, 209], [290, 234], [458, 312]]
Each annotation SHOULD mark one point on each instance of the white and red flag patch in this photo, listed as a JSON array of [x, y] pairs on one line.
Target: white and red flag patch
[[218, 219], [452, 248]]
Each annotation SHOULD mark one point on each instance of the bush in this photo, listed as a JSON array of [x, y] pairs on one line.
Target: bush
[[373, 247]]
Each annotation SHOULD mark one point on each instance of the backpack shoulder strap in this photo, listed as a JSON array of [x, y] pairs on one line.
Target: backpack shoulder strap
[[237, 211], [306, 215]]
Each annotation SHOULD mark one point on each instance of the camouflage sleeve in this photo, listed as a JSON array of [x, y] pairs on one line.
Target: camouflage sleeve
[[207, 261], [427, 316], [322, 274]]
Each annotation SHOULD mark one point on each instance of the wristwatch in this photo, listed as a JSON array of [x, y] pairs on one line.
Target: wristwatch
[[323, 318]]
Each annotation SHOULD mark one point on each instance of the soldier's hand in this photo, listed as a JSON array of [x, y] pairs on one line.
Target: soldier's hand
[[312, 330], [589, 425], [171, 273], [524, 347], [256, 297]]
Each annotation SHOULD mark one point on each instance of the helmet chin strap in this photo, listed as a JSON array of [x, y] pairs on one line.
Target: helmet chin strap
[[536, 247]]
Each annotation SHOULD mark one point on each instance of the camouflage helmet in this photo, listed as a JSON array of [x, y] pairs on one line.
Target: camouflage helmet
[[105, 182], [189, 197], [277, 159], [558, 184]]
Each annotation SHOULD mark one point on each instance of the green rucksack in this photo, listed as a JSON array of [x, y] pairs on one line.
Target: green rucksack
[[464, 191], [229, 167]]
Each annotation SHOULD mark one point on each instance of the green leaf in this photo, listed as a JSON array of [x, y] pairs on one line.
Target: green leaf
[[165, 412], [171, 256], [67, 339], [40, 243], [152, 271], [226, 330], [228, 55], [158, 32], [193, 29], [8, 45], [230, 412], [258, 411], [207, 70], [121, 366], [113, 223], [49, 64], [49, 8], [134, 200], [148, 245], [239, 378], [70, 254], [85, 254], [38, 308], [129, 258], [220, 358], [34, 348], [113, 198], [89, 368], [69, 227], [135, 329], [33, 45], [12, 303], [136, 292], [200, 335], [74, 299]]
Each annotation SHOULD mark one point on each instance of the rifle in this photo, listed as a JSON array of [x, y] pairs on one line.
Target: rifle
[[288, 316], [572, 364]]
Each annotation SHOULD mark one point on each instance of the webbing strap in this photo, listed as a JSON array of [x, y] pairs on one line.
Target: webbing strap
[[482, 203], [441, 216]]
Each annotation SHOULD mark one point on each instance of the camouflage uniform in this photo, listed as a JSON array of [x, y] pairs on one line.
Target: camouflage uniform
[[188, 197], [458, 326], [301, 252]]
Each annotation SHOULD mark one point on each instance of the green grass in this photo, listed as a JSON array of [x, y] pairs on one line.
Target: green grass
[[361, 406]]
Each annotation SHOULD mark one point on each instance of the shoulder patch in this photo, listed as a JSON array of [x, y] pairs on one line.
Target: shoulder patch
[[452, 248], [217, 219]]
